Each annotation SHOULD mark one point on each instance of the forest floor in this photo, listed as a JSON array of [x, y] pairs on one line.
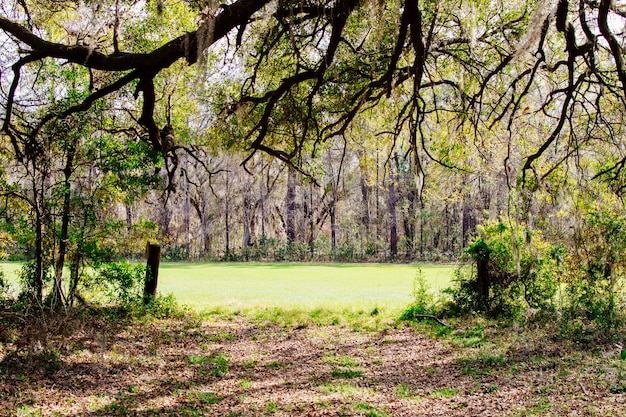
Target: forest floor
[[234, 365]]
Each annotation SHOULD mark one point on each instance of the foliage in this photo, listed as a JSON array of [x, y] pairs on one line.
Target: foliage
[[597, 271], [423, 299], [521, 272], [27, 277], [121, 282]]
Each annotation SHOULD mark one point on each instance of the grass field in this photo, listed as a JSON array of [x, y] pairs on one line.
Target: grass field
[[304, 286], [245, 286]]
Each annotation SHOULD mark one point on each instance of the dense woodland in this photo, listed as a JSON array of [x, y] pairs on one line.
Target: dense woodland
[[319, 130]]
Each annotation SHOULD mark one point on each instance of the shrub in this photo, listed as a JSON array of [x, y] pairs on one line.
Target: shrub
[[507, 269], [121, 282], [423, 299]]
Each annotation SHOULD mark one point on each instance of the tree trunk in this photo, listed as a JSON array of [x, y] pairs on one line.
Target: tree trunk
[[365, 204], [393, 222], [153, 253], [262, 202], [247, 234], [468, 222], [311, 222], [58, 299], [129, 215], [227, 217], [187, 213], [333, 227], [38, 277], [482, 279], [291, 206]]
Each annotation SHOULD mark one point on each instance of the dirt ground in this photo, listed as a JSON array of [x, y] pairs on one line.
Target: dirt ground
[[236, 366]]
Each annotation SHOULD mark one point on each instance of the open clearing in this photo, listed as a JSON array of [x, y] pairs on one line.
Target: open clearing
[[234, 286], [245, 286]]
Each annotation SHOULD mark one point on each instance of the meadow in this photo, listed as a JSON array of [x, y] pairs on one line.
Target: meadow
[[247, 286], [244, 286]]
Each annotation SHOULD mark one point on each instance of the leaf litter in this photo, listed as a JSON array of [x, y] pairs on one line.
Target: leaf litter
[[235, 366]]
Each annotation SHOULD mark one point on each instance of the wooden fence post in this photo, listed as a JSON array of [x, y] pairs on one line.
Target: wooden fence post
[[153, 256]]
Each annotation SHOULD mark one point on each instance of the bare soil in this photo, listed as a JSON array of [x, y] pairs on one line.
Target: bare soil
[[236, 366]]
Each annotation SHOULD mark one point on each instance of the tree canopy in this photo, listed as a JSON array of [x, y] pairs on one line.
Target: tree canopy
[[305, 70]]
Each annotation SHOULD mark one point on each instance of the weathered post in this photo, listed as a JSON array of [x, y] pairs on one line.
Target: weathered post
[[153, 256]]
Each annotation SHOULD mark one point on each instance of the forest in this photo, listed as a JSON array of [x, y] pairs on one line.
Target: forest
[[306, 130], [487, 134]]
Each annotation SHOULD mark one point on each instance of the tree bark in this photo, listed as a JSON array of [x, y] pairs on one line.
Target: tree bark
[[58, 298], [152, 271], [393, 222], [291, 206]]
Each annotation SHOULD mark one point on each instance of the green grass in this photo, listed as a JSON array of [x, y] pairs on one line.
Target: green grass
[[307, 287], [297, 286]]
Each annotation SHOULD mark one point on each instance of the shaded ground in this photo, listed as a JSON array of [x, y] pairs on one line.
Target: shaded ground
[[238, 367]]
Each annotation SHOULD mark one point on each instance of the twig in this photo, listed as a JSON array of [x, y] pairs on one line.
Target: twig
[[428, 316]]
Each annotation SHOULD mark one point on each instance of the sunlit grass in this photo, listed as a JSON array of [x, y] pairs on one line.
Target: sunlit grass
[[315, 290], [309, 287]]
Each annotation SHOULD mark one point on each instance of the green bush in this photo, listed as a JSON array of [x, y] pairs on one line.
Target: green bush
[[423, 300], [596, 270], [27, 277], [121, 282], [519, 272]]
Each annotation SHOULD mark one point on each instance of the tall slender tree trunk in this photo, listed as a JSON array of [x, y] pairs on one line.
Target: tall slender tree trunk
[[311, 221], [227, 216], [58, 298], [333, 226], [38, 277], [378, 219], [393, 221], [291, 206], [129, 215], [247, 233], [365, 203], [468, 223], [262, 202], [187, 213]]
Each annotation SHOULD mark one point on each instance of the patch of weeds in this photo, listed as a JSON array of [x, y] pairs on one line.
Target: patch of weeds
[[27, 411], [445, 392], [216, 363], [617, 389], [204, 397], [340, 388], [346, 373], [490, 389], [132, 389], [244, 383], [221, 337], [115, 409], [274, 365], [472, 337], [407, 392], [540, 408], [370, 411], [271, 407], [250, 363]]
